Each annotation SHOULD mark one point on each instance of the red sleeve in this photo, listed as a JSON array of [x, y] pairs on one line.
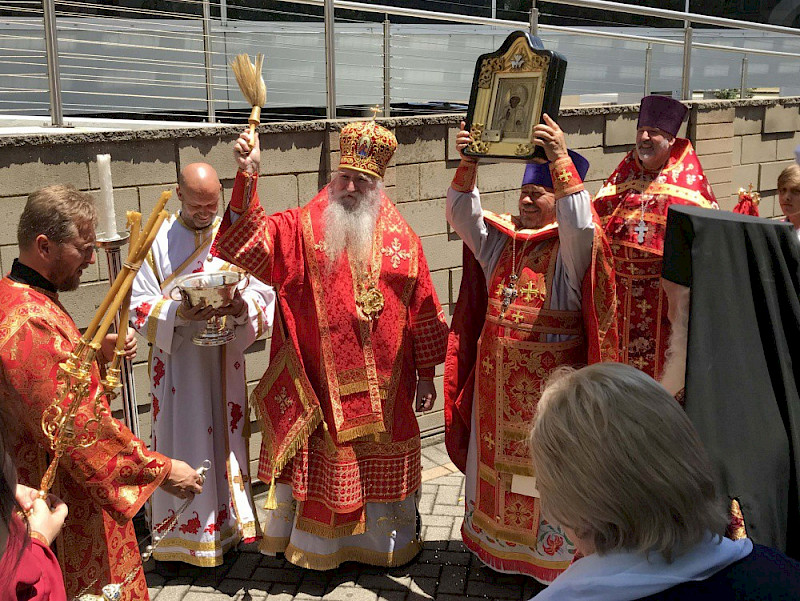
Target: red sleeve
[[33, 575], [428, 325], [117, 470]]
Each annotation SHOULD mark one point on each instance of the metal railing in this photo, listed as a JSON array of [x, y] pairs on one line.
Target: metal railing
[[217, 47]]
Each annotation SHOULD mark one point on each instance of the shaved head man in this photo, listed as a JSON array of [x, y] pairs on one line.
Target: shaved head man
[[198, 190]]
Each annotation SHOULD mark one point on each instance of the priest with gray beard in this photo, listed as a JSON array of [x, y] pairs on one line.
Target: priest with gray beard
[[359, 331]]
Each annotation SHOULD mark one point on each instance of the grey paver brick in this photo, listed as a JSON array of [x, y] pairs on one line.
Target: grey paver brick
[[448, 495], [492, 591], [376, 582], [392, 595], [445, 557], [244, 566], [443, 521], [351, 594], [453, 580], [429, 570], [424, 586], [277, 575], [439, 533], [173, 592]]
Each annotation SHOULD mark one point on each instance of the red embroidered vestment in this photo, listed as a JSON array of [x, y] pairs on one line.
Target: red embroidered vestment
[[103, 485], [330, 365], [503, 371], [632, 205]]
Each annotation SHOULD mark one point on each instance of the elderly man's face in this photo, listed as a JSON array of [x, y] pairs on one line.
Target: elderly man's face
[[350, 187], [537, 206], [653, 147]]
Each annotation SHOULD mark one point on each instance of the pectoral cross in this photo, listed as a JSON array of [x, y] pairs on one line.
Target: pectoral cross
[[509, 293], [641, 230]]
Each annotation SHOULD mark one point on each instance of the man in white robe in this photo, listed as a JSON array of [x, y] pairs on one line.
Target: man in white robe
[[198, 393]]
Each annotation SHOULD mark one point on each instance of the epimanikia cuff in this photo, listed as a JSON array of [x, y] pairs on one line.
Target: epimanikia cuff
[[566, 179]]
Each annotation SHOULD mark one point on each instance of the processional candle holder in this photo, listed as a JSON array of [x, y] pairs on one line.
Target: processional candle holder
[[74, 375], [213, 289]]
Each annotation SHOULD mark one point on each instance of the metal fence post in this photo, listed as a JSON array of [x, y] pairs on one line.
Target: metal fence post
[[208, 61], [53, 69], [534, 19], [686, 76], [743, 84], [387, 67], [330, 61], [648, 60], [223, 12]]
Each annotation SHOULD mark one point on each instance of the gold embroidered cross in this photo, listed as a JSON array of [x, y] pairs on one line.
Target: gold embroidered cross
[[640, 362], [487, 365], [564, 175], [487, 438], [240, 480], [499, 290], [395, 253], [517, 317], [529, 292], [321, 246], [643, 305]]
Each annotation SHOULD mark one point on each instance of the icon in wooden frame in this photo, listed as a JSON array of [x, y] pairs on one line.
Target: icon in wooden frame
[[511, 89]]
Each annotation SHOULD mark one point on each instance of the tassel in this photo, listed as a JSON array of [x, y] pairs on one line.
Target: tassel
[[271, 502]]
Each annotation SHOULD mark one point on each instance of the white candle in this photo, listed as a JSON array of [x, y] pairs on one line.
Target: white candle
[[106, 218]]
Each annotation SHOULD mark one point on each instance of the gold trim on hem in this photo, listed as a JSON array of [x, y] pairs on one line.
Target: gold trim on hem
[[315, 561]]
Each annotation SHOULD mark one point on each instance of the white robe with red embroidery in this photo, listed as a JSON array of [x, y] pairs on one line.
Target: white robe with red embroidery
[[199, 397]]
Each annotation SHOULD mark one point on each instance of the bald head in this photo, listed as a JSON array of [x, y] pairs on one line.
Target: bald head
[[198, 190]]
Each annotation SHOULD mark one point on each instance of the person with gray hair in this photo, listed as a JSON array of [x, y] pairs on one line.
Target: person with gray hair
[[620, 466]]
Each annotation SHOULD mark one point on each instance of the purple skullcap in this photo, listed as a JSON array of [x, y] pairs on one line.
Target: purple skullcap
[[538, 174], [662, 112]]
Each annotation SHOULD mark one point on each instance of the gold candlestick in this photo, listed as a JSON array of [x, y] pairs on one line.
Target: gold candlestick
[[58, 420]]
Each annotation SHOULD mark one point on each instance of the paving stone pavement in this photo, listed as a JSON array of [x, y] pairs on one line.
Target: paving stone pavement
[[445, 570]]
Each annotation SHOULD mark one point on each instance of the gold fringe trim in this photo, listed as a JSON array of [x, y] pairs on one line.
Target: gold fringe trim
[[273, 544], [271, 502], [359, 431], [315, 561], [514, 469], [300, 439], [331, 532]]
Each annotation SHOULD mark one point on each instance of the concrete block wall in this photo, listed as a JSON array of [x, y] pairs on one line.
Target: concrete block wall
[[739, 142]]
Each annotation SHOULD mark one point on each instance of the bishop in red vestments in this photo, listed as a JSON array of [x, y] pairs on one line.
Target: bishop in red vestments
[[105, 484], [358, 335], [661, 171]]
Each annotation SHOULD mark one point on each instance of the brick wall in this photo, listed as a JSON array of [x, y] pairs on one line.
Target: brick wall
[[739, 142]]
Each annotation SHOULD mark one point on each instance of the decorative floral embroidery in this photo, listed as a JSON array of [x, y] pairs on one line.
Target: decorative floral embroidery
[[236, 415], [158, 371], [192, 526], [142, 311], [156, 407], [552, 544]]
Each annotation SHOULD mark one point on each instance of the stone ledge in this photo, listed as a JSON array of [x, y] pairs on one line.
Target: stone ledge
[[449, 119]]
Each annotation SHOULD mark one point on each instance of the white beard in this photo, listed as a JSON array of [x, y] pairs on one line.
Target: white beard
[[674, 376], [351, 229]]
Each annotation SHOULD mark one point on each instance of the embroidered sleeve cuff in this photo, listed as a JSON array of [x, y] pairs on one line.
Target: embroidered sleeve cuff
[[465, 177], [565, 177], [238, 202]]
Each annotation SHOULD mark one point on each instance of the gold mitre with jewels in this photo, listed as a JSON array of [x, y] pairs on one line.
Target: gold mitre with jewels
[[367, 147]]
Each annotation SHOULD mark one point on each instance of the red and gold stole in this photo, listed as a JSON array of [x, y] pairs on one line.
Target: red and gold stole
[[356, 384], [514, 358]]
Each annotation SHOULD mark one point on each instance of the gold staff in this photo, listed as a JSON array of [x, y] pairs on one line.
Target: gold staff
[[58, 420]]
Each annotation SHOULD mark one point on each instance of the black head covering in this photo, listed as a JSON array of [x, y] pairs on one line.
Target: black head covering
[[743, 362]]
